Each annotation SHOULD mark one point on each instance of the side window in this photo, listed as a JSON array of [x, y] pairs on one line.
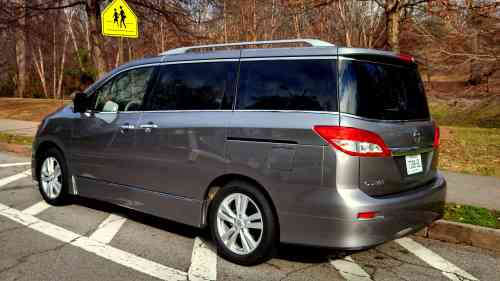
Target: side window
[[288, 85], [125, 92], [194, 86]]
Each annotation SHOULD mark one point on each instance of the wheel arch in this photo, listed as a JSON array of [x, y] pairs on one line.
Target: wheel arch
[[42, 147], [222, 180]]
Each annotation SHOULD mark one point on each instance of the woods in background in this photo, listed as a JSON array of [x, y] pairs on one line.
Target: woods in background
[[48, 44]]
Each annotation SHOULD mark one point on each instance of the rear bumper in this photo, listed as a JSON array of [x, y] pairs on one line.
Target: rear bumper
[[399, 215]]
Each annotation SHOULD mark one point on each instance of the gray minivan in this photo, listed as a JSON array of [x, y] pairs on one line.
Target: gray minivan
[[319, 145]]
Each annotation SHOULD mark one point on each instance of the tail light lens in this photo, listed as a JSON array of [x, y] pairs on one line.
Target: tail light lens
[[436, 136], [367, 215], [406, 58], [352, 141]]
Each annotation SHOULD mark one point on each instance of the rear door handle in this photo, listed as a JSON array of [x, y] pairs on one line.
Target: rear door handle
[[125, 127], [147, 127], [150, 126]]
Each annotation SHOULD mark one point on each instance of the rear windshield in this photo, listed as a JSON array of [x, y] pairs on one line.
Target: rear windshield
[[381, 91]]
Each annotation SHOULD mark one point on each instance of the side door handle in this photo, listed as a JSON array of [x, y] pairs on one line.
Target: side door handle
[[125, 127], [147, 127]]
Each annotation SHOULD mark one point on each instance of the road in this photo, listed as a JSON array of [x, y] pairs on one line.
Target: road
[[90, 240], [473, 190]]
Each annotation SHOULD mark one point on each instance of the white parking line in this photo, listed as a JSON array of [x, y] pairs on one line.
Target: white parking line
[[5, 165], [350, 270], [103, 250], [7, 180], [37, 208], [447, 268], [108, 229], [203, 262]]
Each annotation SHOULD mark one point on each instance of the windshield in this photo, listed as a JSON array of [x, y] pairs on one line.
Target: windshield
[[381, 91]]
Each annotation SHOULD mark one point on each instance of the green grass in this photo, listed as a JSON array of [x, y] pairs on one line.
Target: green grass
[[15, 139], [484, 113], [472, 215], [470, 150]]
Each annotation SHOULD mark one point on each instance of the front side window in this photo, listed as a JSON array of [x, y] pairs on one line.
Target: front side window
[[288, 85], [194, 86], [125, 92]]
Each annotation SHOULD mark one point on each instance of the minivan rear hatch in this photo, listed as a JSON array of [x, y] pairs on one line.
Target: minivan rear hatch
[[382, 92]]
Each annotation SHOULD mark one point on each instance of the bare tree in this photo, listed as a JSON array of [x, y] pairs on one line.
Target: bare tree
[[20, 45]]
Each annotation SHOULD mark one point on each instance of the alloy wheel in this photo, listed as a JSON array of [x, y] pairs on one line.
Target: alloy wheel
[[239, 223], [51, 177]]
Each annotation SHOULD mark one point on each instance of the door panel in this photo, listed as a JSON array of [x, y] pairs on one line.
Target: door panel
[[182, 133], [104, 139], [102, 146], [183, 153]]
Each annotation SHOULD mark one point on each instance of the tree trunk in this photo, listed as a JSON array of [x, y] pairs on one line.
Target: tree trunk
[[94, 20], [69, 18], [20, 38], [40, 69], [224, 19], [393, 16]]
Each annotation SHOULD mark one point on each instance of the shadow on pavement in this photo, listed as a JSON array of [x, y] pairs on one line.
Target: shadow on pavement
[[289, 252]]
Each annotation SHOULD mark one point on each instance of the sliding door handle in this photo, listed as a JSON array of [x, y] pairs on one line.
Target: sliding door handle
[[126, 127], [150, 126], [147, 127]]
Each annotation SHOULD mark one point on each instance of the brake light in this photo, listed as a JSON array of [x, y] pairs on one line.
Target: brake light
[[406, 58], [367, 215], [352, 141], [436, 136]]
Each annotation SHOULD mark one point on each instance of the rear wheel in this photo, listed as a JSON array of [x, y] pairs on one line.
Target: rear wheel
[[242, 224], [53, 177]]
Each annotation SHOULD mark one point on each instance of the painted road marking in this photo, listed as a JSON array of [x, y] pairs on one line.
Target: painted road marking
[[350, 270], [100, 249], [37, 208], [447, 268], [203, 262], [14, 164], [108, 229], [7, 180]]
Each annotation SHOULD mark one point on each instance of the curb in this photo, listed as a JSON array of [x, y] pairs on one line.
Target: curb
[[460, 233]]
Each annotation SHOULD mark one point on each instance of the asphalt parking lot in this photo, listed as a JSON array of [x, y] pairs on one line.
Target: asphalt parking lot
[[90, 240]]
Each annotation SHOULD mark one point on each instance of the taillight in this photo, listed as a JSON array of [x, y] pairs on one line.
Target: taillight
[[436, 136], [352, 141], [406, 58], [367, 215]]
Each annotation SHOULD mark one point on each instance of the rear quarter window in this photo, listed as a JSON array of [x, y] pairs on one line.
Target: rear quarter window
[[288, 85], [381, 91]]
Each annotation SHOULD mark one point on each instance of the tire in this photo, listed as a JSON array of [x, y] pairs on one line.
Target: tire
[[53, 186], [225, 227]]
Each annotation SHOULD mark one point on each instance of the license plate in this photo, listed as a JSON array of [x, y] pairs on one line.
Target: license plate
[[413, 164]]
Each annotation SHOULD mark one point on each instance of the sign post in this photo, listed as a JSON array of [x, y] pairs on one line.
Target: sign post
[[118, 20]]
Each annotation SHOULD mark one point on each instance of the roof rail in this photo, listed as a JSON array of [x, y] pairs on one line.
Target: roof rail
[[311, 42]]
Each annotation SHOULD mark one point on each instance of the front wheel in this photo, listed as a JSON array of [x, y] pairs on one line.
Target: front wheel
[[53, 177], [242, 224]]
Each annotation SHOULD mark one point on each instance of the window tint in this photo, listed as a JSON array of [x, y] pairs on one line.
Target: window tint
[[125, 92], [382, 91], [194, 86], [288, 85]]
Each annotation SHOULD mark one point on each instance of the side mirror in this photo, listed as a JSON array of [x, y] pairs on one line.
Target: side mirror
[[80, 102]]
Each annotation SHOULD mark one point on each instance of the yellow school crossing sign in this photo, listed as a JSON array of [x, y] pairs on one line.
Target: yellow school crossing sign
[[119, 20]]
